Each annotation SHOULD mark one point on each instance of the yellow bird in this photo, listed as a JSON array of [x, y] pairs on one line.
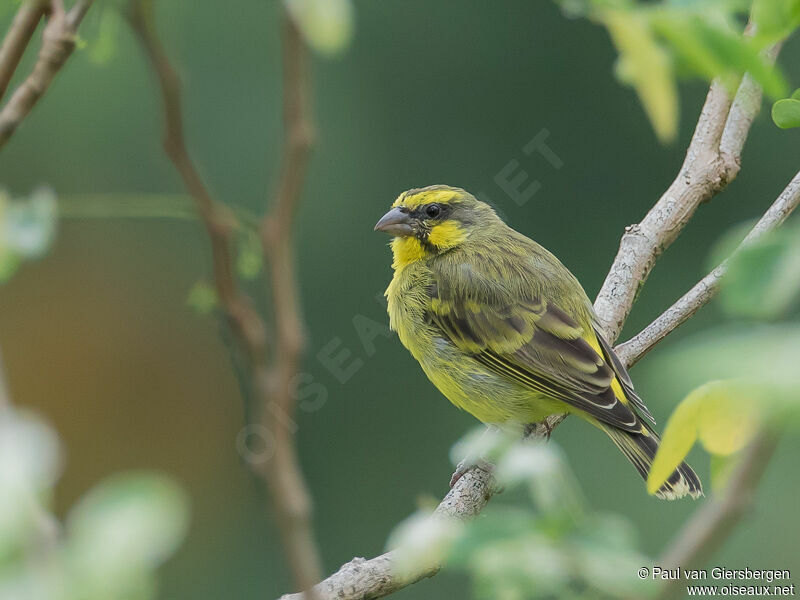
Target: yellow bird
[[504, 330]]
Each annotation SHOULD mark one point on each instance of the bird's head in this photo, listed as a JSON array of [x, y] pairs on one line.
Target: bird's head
[[431, 220]]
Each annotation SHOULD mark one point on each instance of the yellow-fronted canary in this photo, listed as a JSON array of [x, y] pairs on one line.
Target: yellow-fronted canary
[[504, 330]]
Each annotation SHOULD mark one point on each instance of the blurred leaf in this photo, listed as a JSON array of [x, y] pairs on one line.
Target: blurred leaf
[[202, 298], [796, 94], [729, 242], [249, 258], [29, 225], [543, 467], [27, 228], [422, 541], [786, 113], [327, 25], [763, 278], [9, 263], [482, 443], [775, 19], [29, 467], [124, 528], [721, 469], [645, 65], [712, 49], [722, 414], [104, 47]]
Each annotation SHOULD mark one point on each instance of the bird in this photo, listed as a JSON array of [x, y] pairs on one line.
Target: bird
[[504, 330]]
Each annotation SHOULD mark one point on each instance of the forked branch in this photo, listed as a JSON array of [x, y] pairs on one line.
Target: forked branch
[[271, 379], [712, 160], [58, 43]]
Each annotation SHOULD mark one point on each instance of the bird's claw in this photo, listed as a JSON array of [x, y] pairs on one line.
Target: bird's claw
[[532, 428]]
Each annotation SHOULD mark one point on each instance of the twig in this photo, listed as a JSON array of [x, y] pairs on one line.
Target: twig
[[272, 382], [58, 43], [376, 578], [17, 39], [217, 222], [708, 287], [713, 523], [712, 161], [290, 493], [706, 170]]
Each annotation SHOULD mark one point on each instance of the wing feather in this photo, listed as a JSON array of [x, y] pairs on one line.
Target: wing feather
[[499, 315]]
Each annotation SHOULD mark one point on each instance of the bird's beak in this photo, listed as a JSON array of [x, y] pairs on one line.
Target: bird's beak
[[395, 222]]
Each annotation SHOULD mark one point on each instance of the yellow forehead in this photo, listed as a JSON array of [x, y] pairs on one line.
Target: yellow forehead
[[414, 199]]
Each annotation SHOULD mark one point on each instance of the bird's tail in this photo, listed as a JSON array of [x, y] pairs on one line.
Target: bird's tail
[[640, 449]]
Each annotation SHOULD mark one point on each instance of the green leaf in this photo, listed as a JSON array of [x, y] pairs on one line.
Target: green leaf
[[775, 19], [765, 356], [123, 529], [422, 540], [202, 298], [646, 66], [29, 224], [721, 468], [786, 113], [249, 258], [722, 414], [796, 94], [763, 278], [104, 47], [712, 49], [327, 25]]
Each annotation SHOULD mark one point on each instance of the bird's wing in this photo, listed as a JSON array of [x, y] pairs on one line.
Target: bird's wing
[[495, 313]]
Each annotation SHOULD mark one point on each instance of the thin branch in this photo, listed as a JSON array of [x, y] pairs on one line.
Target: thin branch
[[58, 43], [271, 381], [217, 222], [714, 522], [78, 11], [17, 39], [290, 493], [708, 287], [712, 161]]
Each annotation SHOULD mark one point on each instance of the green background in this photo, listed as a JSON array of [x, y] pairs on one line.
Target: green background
[[98, 338]]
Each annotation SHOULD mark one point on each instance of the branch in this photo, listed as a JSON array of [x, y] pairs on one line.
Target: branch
[[17, 39], [712, 161], [272, 381], [290, 493], [713, 523], [708, 287], [375, 578], [215, 218], [58, 43]]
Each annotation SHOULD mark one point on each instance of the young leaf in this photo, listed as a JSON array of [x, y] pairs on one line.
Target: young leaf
[[130, 522], [786, 113], [763, 279], [645, 65], [202, 298], [712, 49], [249, 254], [327, 25], [721, 469], [721, 414], [775, 19]]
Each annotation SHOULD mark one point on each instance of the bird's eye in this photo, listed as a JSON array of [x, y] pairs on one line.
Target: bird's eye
[[433, 210]]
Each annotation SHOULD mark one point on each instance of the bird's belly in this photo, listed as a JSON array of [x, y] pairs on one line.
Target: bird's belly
[[486, 395]]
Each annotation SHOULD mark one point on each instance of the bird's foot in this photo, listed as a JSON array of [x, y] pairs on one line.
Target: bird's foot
[[464, 466], [536, 428]]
